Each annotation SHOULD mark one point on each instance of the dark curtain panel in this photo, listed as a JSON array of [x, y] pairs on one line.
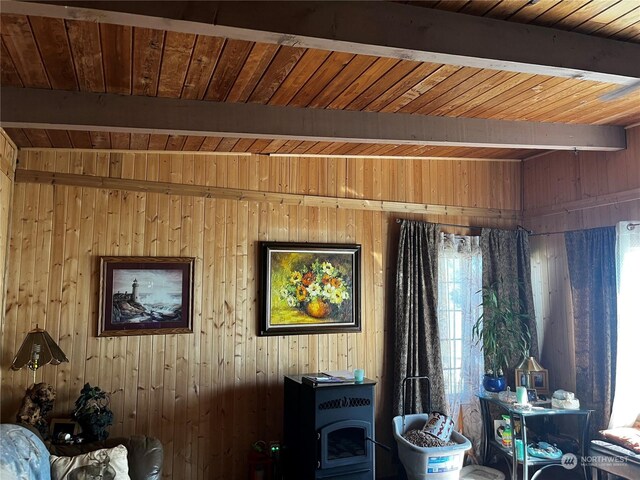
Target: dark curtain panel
[[506, 262], [591, 255], [417, 340]]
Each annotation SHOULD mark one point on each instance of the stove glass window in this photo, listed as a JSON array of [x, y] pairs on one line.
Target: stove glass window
[[346, 443]]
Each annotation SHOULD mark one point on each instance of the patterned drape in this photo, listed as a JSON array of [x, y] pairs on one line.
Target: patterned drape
[[591, 256], [506, 262], [416, 342]]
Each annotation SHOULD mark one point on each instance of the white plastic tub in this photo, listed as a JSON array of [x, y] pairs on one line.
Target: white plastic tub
[[428, 463]]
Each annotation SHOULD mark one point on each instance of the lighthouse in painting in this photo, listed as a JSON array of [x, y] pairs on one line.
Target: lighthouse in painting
[[141, 298], [134, 291]]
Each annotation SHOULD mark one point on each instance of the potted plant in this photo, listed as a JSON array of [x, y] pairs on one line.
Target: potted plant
[[92, 413], [503, 334]]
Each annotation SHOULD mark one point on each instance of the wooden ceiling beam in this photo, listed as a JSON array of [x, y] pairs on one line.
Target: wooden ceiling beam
[[383, 29], [58, 109]]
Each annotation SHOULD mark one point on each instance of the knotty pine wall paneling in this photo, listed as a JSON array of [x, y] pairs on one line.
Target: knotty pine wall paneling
[[554, 312], [566, 191], [210, 395], [573, 191], [8, 153]]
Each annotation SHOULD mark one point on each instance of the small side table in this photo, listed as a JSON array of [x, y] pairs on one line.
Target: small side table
[[490, 443]]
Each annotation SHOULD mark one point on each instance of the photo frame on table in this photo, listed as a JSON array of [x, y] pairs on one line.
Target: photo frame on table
[[309, 288], [145, 295], [63, 426], [538, 380]]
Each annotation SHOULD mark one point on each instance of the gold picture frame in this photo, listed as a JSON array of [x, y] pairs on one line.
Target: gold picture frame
[[146, 295], [538, 380]]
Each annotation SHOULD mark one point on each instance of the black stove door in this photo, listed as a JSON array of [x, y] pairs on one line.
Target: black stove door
[[345, 443]]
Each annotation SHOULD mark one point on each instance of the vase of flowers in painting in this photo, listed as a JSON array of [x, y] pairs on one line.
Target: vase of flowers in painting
[[318, 288]]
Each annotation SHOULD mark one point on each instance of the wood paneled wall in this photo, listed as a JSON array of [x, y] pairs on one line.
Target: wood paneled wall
[[563, 191], [209, 395], [554, 313], [567, 191], [8, 153]]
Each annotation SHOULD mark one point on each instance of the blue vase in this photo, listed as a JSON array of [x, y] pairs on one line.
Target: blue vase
[[491, 383]]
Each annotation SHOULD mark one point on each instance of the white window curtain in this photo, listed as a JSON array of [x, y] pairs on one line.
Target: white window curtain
[[459, 283], [626, 404]]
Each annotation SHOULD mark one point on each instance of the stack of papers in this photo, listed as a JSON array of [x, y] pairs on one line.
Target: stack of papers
[[336, 376], [345, 375]]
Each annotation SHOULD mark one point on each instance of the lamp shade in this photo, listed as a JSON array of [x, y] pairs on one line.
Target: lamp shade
[[38, 349], [529, 364]]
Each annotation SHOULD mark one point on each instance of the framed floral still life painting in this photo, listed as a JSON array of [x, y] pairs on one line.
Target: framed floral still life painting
[[145, 296], [309, 288]]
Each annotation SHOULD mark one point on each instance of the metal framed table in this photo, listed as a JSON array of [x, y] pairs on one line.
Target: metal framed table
[[522, 415]]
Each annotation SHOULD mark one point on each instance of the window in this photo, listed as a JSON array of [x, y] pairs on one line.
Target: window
[[459, 282], [625, 404]]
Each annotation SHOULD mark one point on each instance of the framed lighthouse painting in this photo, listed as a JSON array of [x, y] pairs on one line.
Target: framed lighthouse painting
[[145, 296]]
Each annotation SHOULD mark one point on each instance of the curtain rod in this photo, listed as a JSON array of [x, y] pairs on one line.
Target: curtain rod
[[552, 233], [630, 227], [399, 220], [475, 227]]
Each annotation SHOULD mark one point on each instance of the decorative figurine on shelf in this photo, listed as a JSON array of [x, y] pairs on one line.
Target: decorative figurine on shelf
[[92, 412], [36, 405]]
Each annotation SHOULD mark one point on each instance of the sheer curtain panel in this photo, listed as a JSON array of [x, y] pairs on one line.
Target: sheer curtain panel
[[459, 305], [626, 403]]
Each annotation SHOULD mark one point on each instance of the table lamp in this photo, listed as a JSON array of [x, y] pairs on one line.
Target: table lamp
[[38, 349], [528, 365]]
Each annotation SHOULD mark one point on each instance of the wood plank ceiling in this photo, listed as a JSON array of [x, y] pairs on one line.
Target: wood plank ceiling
[[73, 55]]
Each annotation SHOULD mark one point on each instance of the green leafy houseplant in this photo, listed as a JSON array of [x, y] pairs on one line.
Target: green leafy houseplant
[[92, 412], [501, 330]]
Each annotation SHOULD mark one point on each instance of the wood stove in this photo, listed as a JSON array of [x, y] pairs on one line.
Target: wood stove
[[328, 430]]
